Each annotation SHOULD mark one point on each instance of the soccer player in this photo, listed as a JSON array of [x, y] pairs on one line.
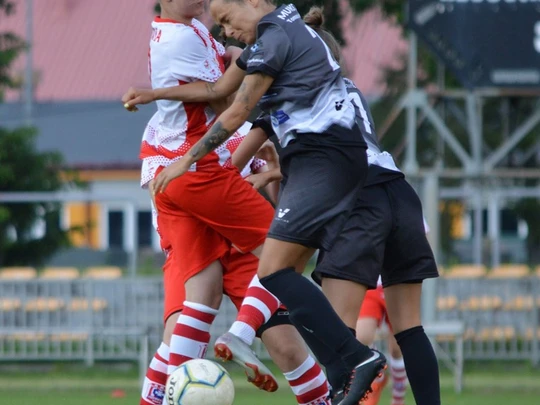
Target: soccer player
[[307, 380], [323, 162], [384, 235], [211, 208]]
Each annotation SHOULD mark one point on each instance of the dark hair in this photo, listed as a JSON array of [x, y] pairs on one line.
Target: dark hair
[[314, 18]]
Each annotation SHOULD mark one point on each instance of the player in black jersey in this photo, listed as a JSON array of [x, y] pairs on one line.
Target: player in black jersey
[[291, 74], [384, 235]]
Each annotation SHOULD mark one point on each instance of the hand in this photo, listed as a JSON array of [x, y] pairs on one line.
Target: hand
[[151, 190], [168, 174], [268, 152], [231, 54], [135, 96], [259, 180]]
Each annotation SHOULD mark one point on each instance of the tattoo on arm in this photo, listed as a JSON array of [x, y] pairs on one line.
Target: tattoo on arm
[[244, 95], [213, 138], [243, 104]]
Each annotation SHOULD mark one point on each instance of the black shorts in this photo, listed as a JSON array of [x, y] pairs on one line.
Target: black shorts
[[319, 187], [384, 236]]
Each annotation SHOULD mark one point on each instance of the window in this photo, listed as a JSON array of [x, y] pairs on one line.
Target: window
[[144, 228], [116, 229]]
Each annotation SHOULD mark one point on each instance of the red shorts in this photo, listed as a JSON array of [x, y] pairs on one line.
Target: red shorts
[[238, 271], [374, 306], [201, 215]]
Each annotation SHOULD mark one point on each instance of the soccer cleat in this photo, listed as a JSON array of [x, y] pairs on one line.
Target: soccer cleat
[[376, 390], [228, 347], [361, 378]]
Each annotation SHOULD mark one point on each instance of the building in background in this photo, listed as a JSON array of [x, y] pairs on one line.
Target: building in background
[[85, 55]]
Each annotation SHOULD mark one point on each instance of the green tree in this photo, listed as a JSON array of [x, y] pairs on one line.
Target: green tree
[[23, 168]]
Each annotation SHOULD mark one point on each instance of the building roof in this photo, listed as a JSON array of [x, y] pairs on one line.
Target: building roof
[[86, 49], [95, 50], [88, 134], [87, 53]]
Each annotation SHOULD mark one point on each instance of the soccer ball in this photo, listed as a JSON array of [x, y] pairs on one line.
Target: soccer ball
[[199, 382]]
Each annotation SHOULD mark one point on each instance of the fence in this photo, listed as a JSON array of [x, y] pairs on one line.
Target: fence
[[120, 319]]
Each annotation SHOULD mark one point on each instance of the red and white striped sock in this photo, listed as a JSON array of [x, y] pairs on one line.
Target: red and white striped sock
[[257, 307], [153, 390], [309, 383], [191, 334], [399, 380]]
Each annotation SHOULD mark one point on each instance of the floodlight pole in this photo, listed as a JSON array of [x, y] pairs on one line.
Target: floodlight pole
[[410, 165], [29, 70]]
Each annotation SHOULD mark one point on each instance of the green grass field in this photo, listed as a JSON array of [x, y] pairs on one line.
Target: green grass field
[[497, 384]]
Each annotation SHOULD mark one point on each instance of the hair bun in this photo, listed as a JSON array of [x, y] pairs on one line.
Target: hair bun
[[314, 17]]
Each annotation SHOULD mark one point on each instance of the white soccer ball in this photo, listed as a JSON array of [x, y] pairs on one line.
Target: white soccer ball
[[199, 382]]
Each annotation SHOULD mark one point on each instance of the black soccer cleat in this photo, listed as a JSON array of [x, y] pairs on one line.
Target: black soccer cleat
[[361, 378]]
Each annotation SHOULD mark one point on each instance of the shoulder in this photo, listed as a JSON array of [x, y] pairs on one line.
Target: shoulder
[[349, 84]]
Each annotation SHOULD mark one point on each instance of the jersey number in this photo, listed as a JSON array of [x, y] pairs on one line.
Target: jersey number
[[357, 101], [331, 60]]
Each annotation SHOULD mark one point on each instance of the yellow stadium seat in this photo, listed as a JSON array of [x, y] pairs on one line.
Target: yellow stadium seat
[[44, 304], [60, 273], [103, 272], [519, 303], [496, 333], [9, 304], [29, 336], [466, 271], [482, 303], [510, 271], [82, 304], [17, 273], [529, 333], [447, 303], [69, 337]]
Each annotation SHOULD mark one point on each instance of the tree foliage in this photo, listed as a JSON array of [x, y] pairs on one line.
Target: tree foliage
[[23, 168]]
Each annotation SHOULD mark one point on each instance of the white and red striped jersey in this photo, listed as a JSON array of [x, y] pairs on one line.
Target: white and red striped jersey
[[180, 54]]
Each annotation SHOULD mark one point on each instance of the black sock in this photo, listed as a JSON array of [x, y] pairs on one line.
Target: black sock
[[421, 365], [310, 310], [337, 372]]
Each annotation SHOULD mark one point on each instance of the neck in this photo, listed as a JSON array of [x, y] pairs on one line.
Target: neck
[[267, 8], [168, 15]]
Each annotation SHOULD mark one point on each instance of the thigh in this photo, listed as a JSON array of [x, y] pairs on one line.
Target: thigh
[[358, 252], [408, 255], [194, 244], [319, 195], [225, 202]]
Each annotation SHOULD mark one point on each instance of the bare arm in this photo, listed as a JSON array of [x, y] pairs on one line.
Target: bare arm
[[250, 92], [248, 147], [192, 92]]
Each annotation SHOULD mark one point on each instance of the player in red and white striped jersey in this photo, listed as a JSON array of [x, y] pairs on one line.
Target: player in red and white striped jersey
[[208, 211], [307, 380]]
